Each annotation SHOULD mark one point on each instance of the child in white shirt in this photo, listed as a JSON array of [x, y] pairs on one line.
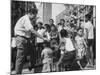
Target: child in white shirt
[[67, 50]]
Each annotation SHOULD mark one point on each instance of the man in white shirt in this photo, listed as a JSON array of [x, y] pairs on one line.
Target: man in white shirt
[[23, 30], [89, 34]]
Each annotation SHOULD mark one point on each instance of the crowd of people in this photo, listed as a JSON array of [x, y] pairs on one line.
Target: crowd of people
[[57, 47]]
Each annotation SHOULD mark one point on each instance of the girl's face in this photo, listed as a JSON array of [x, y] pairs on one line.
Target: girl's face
[[80, 32]]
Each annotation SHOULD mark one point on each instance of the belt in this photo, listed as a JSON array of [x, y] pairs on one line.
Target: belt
[[70, 51], [23, 37]]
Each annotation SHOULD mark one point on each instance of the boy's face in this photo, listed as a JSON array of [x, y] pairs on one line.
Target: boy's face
[[80, 32]]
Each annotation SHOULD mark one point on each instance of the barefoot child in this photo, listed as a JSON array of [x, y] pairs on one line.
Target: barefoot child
[[67, 51], [80, 46]]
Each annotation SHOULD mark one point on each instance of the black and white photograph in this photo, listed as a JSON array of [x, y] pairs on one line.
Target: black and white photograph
[[52, 37]]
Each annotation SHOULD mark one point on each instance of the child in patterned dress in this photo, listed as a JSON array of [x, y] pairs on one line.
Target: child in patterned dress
[[80, 46]]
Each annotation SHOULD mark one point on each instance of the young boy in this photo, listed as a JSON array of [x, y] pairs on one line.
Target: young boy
[[47, 58], [80, 46]]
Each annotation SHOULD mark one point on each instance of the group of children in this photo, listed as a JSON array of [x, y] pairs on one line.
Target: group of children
[[62, 48]]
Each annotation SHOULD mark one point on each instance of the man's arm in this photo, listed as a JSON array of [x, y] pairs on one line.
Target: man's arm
[[29, 27], [37, 34]]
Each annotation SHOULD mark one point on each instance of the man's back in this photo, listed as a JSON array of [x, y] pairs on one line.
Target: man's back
[[23, 26]]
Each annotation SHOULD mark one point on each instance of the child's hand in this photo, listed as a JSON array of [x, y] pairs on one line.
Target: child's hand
[[45, 39]]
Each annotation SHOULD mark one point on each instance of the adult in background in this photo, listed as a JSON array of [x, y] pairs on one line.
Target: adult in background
[[51, 22], [61, 25], [39, 41], [89, 34], [23, 30]]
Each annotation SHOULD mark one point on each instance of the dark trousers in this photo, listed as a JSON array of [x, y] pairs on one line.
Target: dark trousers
[[66, 60], [39, 49], [13, 57], [24, 47]]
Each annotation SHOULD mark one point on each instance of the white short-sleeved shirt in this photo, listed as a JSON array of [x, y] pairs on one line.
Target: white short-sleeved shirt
[[40, 31], [23, 27], [90, 28]]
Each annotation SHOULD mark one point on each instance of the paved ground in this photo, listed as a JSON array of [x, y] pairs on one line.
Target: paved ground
[[26, 71]]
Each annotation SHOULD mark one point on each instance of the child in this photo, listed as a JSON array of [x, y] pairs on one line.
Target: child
[[56, 53], [80, 46], [67, 50], [54, 35], [47, 58], [54, 32]]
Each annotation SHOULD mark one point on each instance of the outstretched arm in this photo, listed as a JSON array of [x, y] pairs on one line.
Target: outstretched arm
[[37, 34]]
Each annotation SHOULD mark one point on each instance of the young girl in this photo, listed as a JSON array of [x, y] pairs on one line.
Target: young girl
[[54, 32], [67, 51], [80, 46]]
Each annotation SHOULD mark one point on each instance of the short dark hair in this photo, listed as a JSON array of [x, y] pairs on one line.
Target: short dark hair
[[33, 11], [47, 26], [63, 33], [51, 19]]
